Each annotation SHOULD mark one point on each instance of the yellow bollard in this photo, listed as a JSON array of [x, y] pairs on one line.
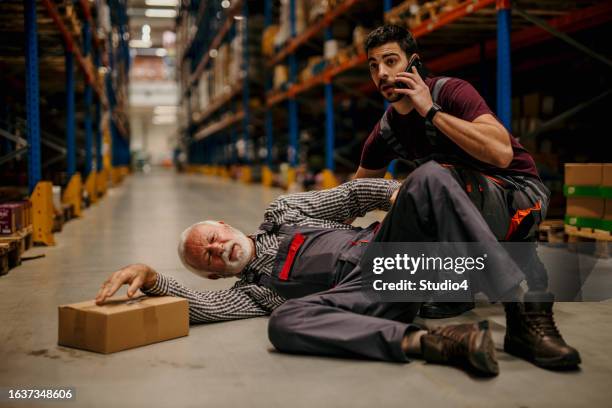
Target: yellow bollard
[[329, 179], [101, 182], [291, 177], [266, 176], [90, 187], [245, 174], [73, 194], [42, 213]]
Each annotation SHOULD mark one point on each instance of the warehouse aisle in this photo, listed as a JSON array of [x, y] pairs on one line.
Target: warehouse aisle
[[233, 364]]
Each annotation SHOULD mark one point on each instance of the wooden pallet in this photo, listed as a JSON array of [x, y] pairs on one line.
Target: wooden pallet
[[603, 239], [20, 241], [5, 250], [552, 231], [12, 248], [599, 235]]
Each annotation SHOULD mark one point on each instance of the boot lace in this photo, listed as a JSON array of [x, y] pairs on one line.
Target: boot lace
[[544, 323]]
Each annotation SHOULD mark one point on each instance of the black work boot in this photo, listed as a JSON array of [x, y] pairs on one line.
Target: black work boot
[[531, 333], [466, 345], [443, 310]]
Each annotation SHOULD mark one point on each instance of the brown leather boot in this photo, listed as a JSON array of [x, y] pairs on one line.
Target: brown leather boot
[[466, 345], [531, 333]]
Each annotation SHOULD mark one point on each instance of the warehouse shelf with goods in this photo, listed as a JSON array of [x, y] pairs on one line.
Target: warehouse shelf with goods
[[319, 103], [63, 124]]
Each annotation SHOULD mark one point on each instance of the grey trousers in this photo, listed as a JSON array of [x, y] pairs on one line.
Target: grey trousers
[[345, 322]]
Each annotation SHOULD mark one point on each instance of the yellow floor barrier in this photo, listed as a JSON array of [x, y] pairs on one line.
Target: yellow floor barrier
[[73, 194], [101, 182], [42, 213], [90, 187], [267, 177], [329, 179], [291, 177], [245, 174]]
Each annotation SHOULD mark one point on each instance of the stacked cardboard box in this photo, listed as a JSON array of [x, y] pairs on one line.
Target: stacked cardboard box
[[15, 216], [588, 187]]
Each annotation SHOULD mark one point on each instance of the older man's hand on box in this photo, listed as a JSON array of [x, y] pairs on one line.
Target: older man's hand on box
[[136, 276]]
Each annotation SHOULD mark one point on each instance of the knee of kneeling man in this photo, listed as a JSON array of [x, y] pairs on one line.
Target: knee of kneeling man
[[429, 172]]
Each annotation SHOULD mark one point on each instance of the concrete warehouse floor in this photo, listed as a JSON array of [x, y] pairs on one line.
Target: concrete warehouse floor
[[232, 364]]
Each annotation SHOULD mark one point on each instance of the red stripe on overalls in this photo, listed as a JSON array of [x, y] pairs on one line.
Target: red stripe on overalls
[[518, 217], [296, 243]]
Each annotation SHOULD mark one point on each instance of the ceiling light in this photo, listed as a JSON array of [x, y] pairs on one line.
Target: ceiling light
[[140, 44], [213, 53], [237, 17], [164, 119], [161, 13], [162, 3], [225, 4], [165, 109]]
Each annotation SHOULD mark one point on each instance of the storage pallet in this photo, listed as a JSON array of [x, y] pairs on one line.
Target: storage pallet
[[12, 248], [602, 239]]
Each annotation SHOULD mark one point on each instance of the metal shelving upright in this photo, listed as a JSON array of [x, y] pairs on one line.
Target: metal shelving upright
[[71, 27], [496, 29]]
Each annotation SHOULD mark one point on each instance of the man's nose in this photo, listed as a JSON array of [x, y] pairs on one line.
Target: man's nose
[[216, 248], [382, 72]]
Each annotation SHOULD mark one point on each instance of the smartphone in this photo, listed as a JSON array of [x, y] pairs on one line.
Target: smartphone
[[415, 61]]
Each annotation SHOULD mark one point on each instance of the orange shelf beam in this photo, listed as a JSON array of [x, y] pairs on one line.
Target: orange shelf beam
[[294, 43], [573, 21], [219, 126], [462, 10], [426, 27], [218, 103], [70, 46]]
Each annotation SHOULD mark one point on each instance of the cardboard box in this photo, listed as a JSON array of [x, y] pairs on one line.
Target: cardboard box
[[12, 218], [606, 174], [608, 209], [122, 323], [579, 174], [8, 223], [585, 207]]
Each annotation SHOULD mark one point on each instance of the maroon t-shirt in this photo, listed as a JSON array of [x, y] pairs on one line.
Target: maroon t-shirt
[[458, 98]]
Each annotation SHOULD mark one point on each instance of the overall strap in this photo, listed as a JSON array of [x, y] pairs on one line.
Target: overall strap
[[430, 130], [270, 226], [387, 134]]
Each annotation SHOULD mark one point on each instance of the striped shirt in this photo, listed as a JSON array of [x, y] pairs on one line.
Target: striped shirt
[[322, 209]]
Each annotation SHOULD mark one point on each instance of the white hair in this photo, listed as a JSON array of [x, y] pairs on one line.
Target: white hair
[[183, 238]]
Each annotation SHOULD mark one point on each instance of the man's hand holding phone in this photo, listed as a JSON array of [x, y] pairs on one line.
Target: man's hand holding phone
[[412, 85]]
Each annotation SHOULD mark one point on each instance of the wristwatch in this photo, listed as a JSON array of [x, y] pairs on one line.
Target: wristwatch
[[432, 112]]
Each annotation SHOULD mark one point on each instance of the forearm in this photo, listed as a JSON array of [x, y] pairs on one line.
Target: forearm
[[483, 141], [352, 199], [208, 306]]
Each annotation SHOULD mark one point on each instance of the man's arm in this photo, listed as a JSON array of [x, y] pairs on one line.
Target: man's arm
[[484, 138], [204, 307], [209, 306], [352, 199]]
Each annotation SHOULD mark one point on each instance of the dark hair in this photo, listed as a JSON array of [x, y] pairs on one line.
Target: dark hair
[[391, 33]]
